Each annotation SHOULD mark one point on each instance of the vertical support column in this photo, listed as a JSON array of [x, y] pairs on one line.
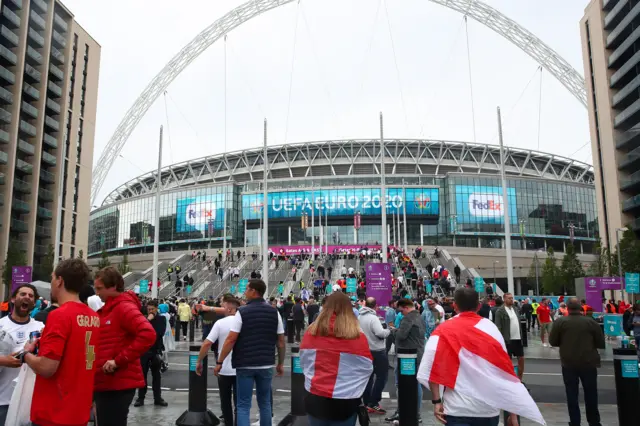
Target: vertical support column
[[289, 234], [421, 235]]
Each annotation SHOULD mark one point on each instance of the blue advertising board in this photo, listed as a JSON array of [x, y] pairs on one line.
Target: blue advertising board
[[203, 214], [343, 202], [484, 204], [632, 282], [242, 285], [352, 285], [613, 325], [144, 286], [479, 284]]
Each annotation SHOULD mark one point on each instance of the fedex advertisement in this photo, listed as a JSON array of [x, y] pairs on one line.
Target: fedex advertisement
[[484, 204], [343, 202], [200, 213]]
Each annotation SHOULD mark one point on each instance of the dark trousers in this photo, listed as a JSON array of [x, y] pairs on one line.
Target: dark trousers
[[528, 316], [589, 379], [151, 361], [472, 421], [373, 392], [298, 325], [184, 325], [534, 321], [112, 407], [390, 341], [227, 385]]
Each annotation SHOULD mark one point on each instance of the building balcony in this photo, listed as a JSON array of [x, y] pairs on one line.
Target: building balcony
[[5, 116], [4, 136], [48, 158], [19, 226], [11, 16], [5, 96], [47, 176], [56, 72], [57, 55], [60, 22], [43, 231], [34, 75], [36, 37], [1, 178], [635, 225], [624, 51], [631, 204], [7, 75], [42, 5], [45, 213], [622, 30], [632, 183], [26, 147], [35, 56], [37, 19], [3, 157], [21, 186], [50, 140], [27, 128], [8, 55], [31, 91], [29, 109], [45, 194], [614, 16], [16, 3], [9, 35], [23, 166], [39, 249], [55, 89], [20, 206], [628, 117], [60, 39], [53, 106], [52, 123]]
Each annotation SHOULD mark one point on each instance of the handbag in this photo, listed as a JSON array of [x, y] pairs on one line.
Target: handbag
[[363, 415]]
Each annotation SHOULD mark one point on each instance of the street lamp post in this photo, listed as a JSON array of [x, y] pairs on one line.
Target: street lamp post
[[522, 232], [494, 271], [535, 259], [619, 257]]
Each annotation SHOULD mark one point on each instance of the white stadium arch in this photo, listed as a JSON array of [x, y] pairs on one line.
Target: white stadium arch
[[484, 14]]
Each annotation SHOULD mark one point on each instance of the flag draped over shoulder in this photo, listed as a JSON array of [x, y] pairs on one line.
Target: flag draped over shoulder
[[335, 368], [468, 354]]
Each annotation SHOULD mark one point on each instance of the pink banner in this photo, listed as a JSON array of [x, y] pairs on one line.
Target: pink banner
[[289, 250]]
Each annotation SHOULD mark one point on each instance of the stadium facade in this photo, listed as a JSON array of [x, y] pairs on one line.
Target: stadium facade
[[449, 192]]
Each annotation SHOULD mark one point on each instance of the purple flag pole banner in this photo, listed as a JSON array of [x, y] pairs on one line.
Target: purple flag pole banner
[[379, 284], [20, 275], [293, 250], [593, 287]]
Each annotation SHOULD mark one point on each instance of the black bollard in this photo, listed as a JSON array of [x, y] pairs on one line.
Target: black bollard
[[625, 367], [177, 328], [290, 330], [197, 413], [298, 414], [192, 330], [407, 386], [523, 332]]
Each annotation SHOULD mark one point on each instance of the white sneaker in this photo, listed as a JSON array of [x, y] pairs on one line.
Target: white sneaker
[[545, 345]]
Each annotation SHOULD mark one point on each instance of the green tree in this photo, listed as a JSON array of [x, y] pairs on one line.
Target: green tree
[[551, 279], [123, 267], [104, 260], [629, 254], [81, 254], [602, 266], [15, 257], [570, 269], [531, 278]]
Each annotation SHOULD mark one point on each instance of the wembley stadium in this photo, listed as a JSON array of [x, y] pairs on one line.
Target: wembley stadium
[[448, 194]]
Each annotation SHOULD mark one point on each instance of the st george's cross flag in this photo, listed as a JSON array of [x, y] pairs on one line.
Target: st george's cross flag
[[468, 355], [335, 368]]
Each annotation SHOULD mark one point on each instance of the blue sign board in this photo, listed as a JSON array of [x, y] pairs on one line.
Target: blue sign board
[[188, 289], [242, 285], [613, 325], [479, 284], [203, 214], [297, 366], [193, 362], [428, 285], [352, 285], [342, 202], [632, 282], [484, 204], [407, 366], [144, 286], [629, 368]]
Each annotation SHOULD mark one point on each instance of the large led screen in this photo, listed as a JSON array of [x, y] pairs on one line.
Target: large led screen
[[484, 204], [200, 213]]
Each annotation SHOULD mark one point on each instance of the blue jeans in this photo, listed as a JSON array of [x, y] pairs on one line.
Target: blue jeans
[[313, 421], [245, 377], [4, 409], [472, 421], [378, 379]]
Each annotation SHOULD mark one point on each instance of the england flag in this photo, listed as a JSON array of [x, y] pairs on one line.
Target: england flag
[[468, 355]]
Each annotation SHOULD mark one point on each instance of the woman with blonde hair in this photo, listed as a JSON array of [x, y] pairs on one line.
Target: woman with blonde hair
[[337, 363]]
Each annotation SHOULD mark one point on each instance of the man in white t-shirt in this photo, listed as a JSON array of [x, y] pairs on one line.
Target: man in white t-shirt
[[14, 334], [440, 310], [227, 374], [336, 287]]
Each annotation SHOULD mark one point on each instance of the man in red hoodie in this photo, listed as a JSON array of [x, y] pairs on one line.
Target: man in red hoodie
[[125, 335]]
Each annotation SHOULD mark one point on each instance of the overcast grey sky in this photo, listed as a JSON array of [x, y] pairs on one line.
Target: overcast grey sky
[[344, 73]]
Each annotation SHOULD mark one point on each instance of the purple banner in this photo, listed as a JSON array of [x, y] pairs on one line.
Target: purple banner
[[20, 275], [291, 250], [379, 284], [593, 287]]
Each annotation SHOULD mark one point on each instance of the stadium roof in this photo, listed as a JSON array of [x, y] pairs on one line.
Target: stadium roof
[[357, 157]]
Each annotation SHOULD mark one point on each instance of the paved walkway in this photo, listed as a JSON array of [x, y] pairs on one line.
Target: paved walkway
[[554, 414]]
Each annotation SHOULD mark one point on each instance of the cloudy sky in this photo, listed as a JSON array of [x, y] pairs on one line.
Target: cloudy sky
[[323, 69]]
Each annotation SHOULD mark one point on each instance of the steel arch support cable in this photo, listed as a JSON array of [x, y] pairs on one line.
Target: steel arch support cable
[[486, 15], [395, 61], [293, 63], [473, 109]]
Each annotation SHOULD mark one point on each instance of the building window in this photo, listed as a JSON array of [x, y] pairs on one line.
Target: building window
[[73, 252]]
